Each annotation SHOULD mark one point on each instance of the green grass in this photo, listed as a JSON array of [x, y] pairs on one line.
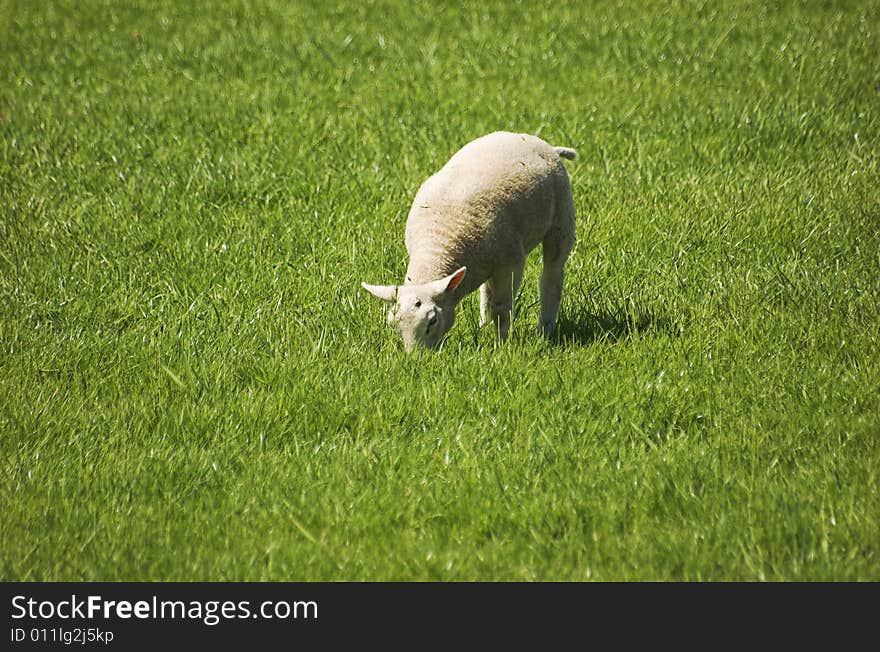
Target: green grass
[[193, 386]]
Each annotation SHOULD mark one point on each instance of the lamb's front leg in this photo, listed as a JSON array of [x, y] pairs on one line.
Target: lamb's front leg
[[496, 299], [485, 304]]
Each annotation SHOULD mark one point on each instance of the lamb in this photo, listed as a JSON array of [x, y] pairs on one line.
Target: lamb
[[471, 226]]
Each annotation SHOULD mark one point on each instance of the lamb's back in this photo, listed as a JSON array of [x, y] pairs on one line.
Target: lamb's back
[[488, 206]]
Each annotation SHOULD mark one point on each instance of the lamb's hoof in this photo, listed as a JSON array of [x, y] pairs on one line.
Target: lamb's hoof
[[547, 329]]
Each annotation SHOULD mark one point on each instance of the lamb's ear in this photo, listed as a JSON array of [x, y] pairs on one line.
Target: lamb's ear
[[385, 292], [449, 283]]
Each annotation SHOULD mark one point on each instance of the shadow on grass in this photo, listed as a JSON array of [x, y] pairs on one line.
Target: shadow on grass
[[587, 328]]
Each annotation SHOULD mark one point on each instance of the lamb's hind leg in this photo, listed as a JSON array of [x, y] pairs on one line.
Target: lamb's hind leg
[[556, 246], [497, 296], [555, 250]]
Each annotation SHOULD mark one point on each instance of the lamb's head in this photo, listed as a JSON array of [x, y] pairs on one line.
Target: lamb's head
[[421, 313]]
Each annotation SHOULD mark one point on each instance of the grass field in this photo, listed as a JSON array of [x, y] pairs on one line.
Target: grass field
[[193, 386]]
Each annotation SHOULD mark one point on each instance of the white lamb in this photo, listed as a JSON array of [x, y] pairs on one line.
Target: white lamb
[[472, 225]]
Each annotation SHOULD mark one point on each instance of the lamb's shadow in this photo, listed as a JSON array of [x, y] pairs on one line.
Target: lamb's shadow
[[586, 328]]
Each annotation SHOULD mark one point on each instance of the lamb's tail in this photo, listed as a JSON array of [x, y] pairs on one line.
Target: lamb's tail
[[566, 152]]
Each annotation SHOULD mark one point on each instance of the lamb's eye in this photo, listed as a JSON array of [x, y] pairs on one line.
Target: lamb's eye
[[418, 304]]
